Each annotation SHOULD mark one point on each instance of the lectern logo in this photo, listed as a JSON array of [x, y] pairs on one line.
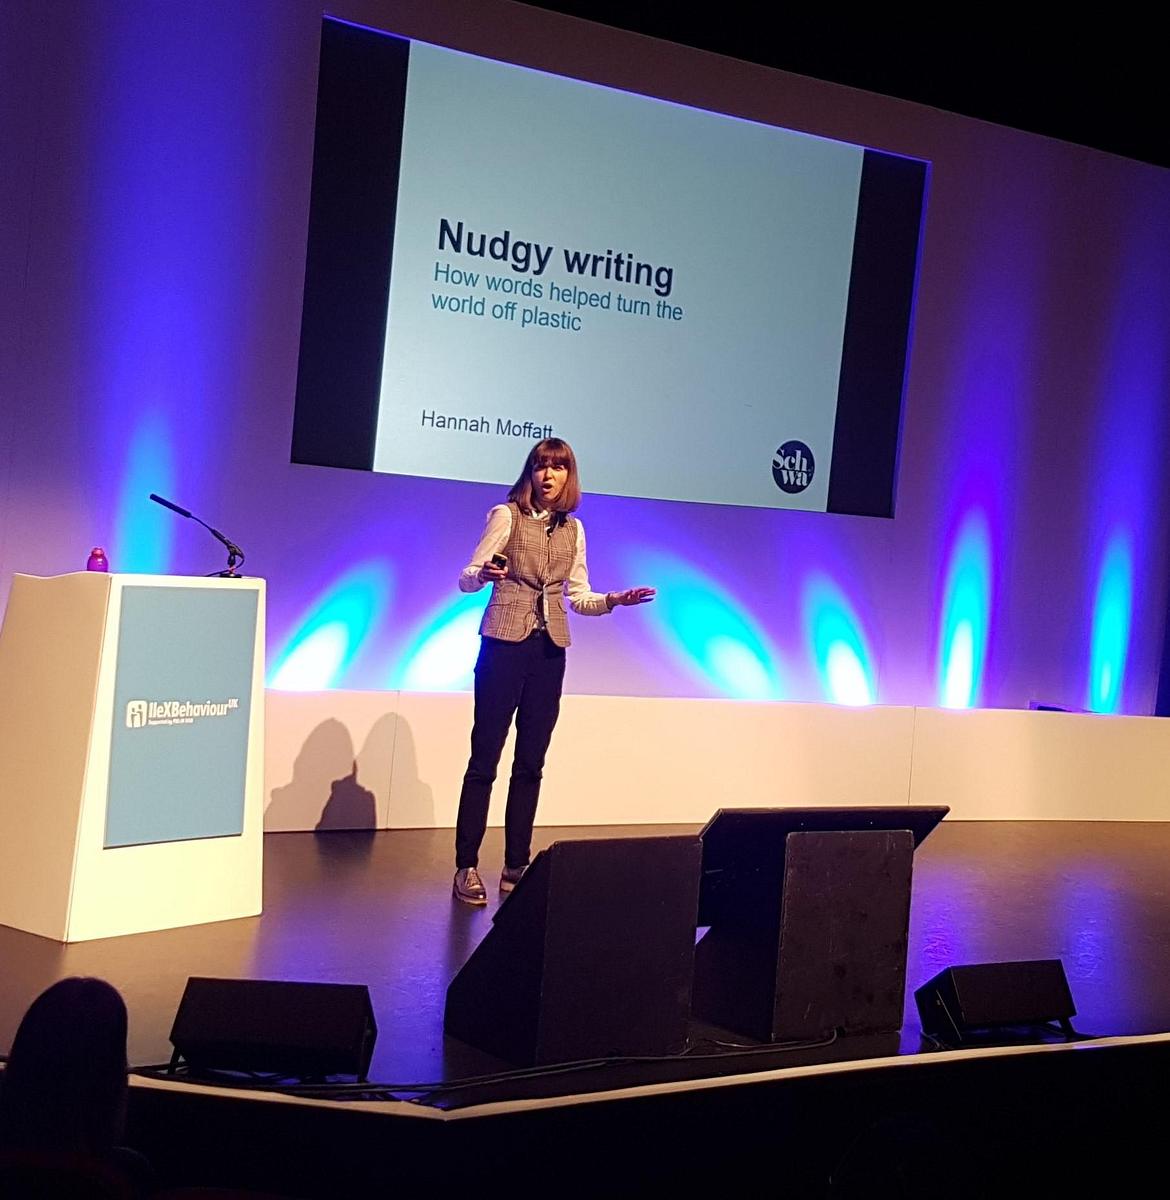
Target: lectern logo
[[140, 713]]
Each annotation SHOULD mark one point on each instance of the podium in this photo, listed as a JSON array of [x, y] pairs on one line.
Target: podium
[[808, 913], [131, 753]]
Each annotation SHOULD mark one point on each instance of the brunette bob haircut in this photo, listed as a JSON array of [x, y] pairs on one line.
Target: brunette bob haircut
[[552, 452], [65, 1084]]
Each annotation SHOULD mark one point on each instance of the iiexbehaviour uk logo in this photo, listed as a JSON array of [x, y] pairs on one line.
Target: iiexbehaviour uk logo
[[142, 713], [792, 467]]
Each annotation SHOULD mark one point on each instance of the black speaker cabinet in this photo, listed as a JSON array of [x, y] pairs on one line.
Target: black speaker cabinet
[[591, 956], [291, 1029], [961, 1001], [808, 911]]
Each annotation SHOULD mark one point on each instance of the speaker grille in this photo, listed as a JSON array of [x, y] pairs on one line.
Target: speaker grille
[[276, 1026]]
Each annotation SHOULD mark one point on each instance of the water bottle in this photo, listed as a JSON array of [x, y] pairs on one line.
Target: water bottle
[[97, 560]]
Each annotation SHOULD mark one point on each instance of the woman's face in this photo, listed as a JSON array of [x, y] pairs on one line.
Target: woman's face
[[547, 484]]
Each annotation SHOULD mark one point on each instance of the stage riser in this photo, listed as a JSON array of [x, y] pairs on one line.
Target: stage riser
[[953, 1127], [394, 760]]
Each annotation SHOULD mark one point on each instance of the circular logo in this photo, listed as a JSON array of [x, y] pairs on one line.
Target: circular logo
[[792, 467]]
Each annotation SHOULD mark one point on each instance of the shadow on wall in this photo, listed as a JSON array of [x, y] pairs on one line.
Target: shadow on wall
[[350, 806], [324, 791], [412, 799], [335, 787]]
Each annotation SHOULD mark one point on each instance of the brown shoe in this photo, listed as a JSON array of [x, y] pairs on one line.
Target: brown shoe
[[468, 886], [510, 877]]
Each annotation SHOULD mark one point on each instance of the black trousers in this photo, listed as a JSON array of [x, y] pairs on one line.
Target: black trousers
[[511, 678]]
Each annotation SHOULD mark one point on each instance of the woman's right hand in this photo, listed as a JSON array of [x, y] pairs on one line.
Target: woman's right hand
[[490, 573]]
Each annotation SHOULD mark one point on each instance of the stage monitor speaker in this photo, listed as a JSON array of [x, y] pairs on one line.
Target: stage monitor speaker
[[277, 1026], [964, 1000], [808, 912], [592, 956]]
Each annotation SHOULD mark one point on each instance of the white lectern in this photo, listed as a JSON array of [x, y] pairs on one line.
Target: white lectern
[[131, 753]]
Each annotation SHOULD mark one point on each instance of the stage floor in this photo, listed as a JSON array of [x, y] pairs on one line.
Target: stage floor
[[375, 908]]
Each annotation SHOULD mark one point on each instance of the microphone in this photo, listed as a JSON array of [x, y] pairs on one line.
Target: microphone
[[168, 504], [235, 554]]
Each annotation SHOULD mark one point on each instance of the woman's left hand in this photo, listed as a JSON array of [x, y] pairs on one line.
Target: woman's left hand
[[636, 595]]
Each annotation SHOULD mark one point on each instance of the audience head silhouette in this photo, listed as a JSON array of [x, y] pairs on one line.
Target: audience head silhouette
[[64, 1088]]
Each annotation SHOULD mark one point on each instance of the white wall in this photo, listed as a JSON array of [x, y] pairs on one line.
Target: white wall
[[396, 759]]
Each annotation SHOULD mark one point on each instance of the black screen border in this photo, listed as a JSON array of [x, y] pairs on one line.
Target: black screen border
[[357, 153], [875, 351]]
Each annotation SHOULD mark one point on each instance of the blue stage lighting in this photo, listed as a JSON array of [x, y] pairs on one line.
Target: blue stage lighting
[[839, 644], [143, 533], [966, 616], [1112, 615], [705, 629], [326, 642], [441, 657]]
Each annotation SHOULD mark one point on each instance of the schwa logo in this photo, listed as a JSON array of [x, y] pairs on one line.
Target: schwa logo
[[792, 467]]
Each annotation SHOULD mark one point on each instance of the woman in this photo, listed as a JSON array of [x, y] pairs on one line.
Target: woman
[[533, 554], [63, 1095]]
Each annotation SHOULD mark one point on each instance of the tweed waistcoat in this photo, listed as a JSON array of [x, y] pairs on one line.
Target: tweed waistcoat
[[538, 565]]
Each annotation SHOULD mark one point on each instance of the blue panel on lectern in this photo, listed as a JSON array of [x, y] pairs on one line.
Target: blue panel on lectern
[[182, 702]]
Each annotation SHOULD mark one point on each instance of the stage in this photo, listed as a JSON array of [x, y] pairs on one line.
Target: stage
[[375, 908]]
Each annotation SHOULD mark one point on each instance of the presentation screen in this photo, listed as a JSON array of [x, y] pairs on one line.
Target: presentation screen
[[708, 309]]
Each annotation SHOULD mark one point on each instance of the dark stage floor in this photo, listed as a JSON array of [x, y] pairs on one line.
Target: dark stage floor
[[376, 909]]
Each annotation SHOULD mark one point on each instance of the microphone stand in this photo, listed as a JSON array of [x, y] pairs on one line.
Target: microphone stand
[[235, 554]]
